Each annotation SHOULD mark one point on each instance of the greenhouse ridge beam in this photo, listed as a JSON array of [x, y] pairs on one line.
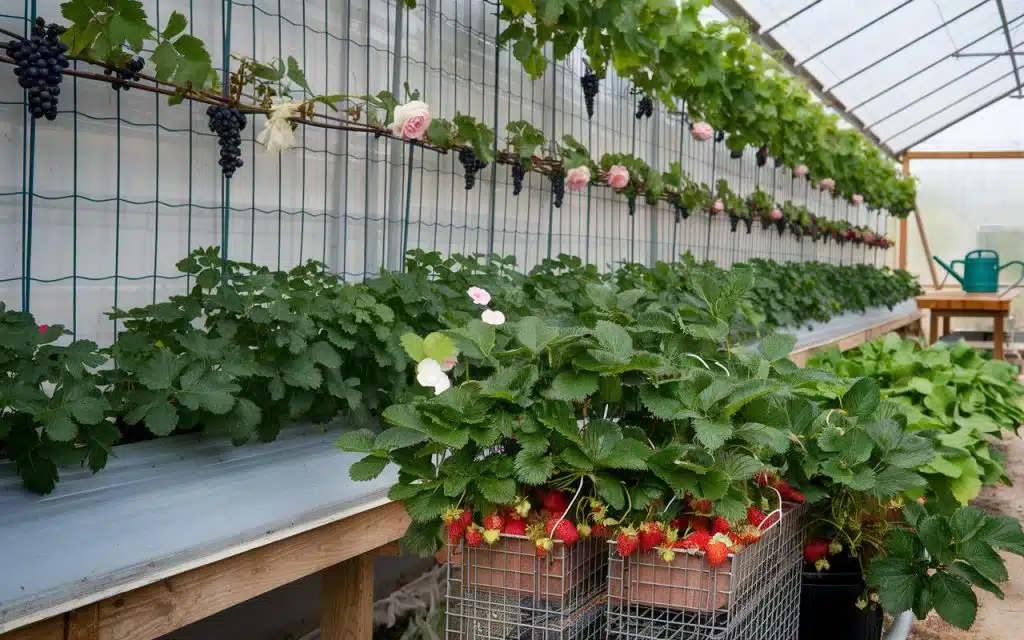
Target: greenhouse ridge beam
[[733, 9], [790, 17], [907, 45], [1009, 44], [855, 32], [960, 119], [931, 66]]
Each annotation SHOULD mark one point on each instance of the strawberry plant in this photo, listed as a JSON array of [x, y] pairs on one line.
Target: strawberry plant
[[54, 413]]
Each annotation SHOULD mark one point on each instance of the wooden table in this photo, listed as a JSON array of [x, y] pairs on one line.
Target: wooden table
[[958, 304]]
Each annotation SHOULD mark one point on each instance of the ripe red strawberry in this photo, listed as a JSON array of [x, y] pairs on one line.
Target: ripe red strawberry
[[703, 507], [789, 493], [466, 518], [680, 523], [696, 541], [455, 531], [494, 522], [796, 496], [627, 542], [599, 530], [755, 516], [815, 550], [555, 501], [717, 553], [514, 527], [474, 536], [650, 535], [770, 521], [564, 531], [720, 525], [764, 478]]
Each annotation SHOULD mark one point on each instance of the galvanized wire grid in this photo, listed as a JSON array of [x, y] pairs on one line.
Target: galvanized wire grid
[[97, 207], [508, 592], [755, 594]]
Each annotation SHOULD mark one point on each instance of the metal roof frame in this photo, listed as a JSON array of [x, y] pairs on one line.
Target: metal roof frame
[[735, 9]]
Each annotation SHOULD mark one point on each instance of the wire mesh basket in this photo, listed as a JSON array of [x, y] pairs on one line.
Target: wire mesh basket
[[754, 594], [507, 592]]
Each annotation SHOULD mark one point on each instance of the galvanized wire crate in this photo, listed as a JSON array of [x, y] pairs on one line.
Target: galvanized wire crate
[[506, 592], [754, 594]]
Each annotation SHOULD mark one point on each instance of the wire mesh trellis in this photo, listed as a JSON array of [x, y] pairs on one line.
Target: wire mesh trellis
[[98, 206], [753, 596]]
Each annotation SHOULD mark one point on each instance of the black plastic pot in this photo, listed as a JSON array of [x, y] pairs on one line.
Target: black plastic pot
[[828, 605]]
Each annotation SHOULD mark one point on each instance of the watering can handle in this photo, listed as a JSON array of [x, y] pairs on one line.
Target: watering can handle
[[980, 253], [1019, 280]]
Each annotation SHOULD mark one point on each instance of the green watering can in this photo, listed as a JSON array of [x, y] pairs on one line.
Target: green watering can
[[981, 271]]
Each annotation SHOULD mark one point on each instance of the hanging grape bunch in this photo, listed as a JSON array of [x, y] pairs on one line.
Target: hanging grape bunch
[[557, 189], [39, 65], [228, 123], [762, 156], [518, 174], [472, 164], [645, 107], [134, 66], [590, 84]]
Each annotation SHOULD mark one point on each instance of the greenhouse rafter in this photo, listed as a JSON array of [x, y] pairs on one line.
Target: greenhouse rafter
[[858, 57]]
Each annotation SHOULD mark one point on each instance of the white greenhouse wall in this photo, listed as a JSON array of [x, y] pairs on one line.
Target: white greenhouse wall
[[122, 186]]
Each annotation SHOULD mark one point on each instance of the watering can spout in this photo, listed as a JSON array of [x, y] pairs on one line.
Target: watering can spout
[[949, 268]]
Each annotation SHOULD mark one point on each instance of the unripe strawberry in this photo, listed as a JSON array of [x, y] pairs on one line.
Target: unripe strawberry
[[491, 536]]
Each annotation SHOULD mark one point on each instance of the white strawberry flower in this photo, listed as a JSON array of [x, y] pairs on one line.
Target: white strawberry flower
[[493, 317], [430, 374]]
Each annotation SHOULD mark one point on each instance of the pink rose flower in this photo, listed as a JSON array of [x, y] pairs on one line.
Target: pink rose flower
[[718, 207], [869, 237], [776, 214], [702, 131], [800, 170], [827, 183], [411, 120], [43, 328], [618, 176], [479, 296], [577, 178], [858, 199]]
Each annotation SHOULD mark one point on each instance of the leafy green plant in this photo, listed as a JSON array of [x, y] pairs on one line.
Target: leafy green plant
[[53, 411], [950, 393], [936, 560]]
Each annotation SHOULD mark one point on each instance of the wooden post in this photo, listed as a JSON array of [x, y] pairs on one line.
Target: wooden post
[[84, 623], [927, 249], [346, 604], [903, 221], [997, 336], [933, 327]]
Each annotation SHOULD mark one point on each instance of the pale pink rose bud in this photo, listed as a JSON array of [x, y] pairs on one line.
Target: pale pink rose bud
[[858, 199], [618, 177], [718, 207], [776, 214], [577, 178], [800, 170], [828, 184], [411, 120], [702, 131]]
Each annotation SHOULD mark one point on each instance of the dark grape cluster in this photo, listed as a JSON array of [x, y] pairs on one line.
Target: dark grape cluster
[[39, 65], [590, 84], [228, 123], [129, 74], [719, 136], [762, 156], [736, 154], [472, 164], [518, 174], [557, 189], [645, 107]]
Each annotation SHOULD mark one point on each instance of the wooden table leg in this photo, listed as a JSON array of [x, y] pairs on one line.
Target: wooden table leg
[[945, 325], [997, 337], [933, 327], [346, 604]]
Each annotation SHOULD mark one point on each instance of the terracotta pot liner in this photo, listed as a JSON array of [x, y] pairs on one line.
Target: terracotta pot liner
[[511, 566]]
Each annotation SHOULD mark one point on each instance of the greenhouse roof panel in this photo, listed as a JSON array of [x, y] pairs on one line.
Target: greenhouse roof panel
[[903, 69]]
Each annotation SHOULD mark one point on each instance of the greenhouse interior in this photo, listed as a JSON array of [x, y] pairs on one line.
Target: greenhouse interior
[[511, 319]]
